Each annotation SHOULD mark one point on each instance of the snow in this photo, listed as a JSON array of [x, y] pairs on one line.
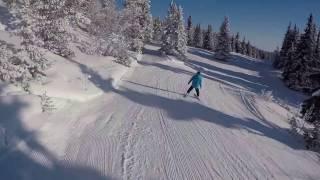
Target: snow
[[70, 78], [121, 123], [317, 93]]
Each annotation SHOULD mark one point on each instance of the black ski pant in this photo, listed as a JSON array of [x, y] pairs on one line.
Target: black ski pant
[[197, 90]]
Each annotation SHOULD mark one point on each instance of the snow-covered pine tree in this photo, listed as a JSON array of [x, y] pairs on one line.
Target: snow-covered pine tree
[[238, 47], [182, 36], [31, 28], [174, 40], [208, 39], [233, 44], [147, 16], [243, 46], [137, 23], [169, 38], [289, 70], [104, 18], [276, 54], [203, 32], [287, 61], [214, 40], [157, 29], [13, 68], [223, 46], [197, 36], [317, 50], [249, 49], [46, 103], [304, 60], [310, 111], [190, 31], [44, 22], [286, 45]]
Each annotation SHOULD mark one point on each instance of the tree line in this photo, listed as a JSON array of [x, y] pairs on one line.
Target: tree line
[[299, 57], [198, 37], [299, 61]]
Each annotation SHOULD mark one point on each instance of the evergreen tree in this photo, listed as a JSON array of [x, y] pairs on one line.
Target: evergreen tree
[[276, 54], [197, 36], [286, 45], [243, 46], [289, 70], [304, 60], [42, 24], [233, 43], [103, 19], [190, 31], [286, 58], [223, 46], [249, 49], [182, 36], [238, 46], [138, 22], [47, 104], [157, 29], [214, 40], [208, 39], [310, 111], [174, 40], [317, 49]]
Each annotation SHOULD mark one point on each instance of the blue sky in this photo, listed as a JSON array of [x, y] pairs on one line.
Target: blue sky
[[263, 22]]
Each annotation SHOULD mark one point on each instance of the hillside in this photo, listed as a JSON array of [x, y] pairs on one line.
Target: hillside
[[143, 128]]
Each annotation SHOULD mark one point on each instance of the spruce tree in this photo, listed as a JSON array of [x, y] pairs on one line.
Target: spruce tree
[[304, 60], [174, 40], [42, 24], [238, 48], [157, 29], [292, 43], [233, 43], [243, 46], [182, 36], [276, 54], [197, 36], [190, 31], [223, 46], [286, 45], [208, 39], [317, 50], [138, 23], [249, 49]]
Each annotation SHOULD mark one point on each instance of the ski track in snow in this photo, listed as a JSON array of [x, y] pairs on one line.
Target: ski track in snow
[[148, 130]]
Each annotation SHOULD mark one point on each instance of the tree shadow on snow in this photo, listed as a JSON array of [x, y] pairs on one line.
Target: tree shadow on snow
[[150, 87], [95, 78], [31, 160], [152, 52], [267, 79], [203, 53], [186, 72], [186, 111]]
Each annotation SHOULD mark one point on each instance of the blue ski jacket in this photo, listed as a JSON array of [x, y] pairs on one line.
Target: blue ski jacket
[[196, 81]]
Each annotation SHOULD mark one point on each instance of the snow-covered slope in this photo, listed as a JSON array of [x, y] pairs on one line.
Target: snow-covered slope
[[145, 129]]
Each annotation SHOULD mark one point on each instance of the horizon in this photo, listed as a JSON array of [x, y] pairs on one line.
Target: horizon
[[262, 23]]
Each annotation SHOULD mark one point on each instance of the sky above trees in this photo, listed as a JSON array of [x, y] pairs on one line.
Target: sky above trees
[[262, 21]]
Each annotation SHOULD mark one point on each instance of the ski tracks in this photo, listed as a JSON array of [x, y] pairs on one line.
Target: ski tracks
[[129, 145]]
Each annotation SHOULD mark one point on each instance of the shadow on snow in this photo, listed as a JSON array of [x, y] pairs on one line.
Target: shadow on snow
[[186, 111], [266, 79], [17, 164]]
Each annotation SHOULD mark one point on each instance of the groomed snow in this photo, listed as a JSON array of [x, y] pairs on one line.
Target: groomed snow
[[142, 128]]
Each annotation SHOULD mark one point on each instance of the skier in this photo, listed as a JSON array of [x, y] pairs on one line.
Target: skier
[[196, 84]]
